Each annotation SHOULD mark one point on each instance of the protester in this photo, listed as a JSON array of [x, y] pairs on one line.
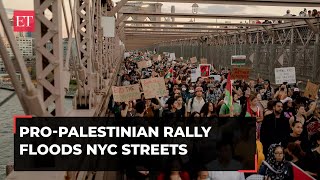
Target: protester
[[284, 114], [276, 167]]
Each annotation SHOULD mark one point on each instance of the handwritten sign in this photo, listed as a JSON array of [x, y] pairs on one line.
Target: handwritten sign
[[204, 61], [144, 64], [240, 73], [193, 60], [205, 70], [287, 74], [154, 87], [238, 60], [311, 91], [126, 93]]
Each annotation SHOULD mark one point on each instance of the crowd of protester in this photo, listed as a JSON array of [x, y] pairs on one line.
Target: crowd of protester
[[304, 13], [288, 124]]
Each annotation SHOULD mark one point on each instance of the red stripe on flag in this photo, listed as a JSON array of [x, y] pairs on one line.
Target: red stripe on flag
[[14, 130], [300, 174]]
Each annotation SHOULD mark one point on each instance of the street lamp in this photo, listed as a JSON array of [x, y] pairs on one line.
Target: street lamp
[[195, 9]]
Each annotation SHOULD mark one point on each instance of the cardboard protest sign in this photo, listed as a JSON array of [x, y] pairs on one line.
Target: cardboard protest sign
[[195, 73], [193, 60], [126, 93], [240, 73], [144, 64], [311, 91], [238, 60], [154, 87], [204, 61], [287, 74], [205, 70]]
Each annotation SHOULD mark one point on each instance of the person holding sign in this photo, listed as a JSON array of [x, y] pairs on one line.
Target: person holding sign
[[128, 110]]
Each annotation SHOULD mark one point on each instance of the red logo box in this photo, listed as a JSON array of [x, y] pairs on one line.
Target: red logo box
[[23, 21]]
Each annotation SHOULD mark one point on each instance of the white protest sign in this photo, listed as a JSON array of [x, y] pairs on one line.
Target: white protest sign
[[287, 74], [195, 73], [173, 56], [216, 77]]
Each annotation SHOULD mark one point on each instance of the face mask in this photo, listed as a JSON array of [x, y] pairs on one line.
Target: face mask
[[184, 89], [191, 91]]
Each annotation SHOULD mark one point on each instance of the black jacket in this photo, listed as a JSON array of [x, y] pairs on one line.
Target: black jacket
[[273, 130]]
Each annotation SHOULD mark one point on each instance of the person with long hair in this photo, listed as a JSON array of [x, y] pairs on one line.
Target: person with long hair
[[266, 91], [255, 109], [181, 107], [297, 137], [234, 110], [269, 109], [297, 155], [128, 109], [208, 110], [299, 117], [171, 112]]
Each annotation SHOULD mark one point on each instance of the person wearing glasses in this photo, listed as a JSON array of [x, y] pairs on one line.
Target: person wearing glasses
[[276, 167]]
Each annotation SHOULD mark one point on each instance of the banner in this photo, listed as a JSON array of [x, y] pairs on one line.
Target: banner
[[195, 73], [126, 93], [311, 91], [193, 60], [238, 60], [287, 74], [240, 73], [204, 61], [144, 64], [154, 87], [205, 70]]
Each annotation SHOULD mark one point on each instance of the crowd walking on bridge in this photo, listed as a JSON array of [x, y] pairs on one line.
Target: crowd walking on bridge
[[287, 123]]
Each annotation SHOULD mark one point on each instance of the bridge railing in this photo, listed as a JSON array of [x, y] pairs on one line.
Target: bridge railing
[[294, 44]]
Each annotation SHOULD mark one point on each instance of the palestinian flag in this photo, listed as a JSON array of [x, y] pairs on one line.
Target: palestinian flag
[[170, 73], [299, 174], [228, 95]]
